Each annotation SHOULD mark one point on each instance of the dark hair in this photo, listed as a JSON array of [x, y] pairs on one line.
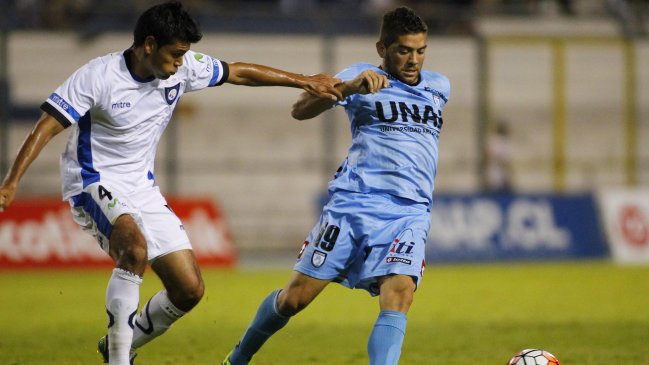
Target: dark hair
[[398, 22], [167, 23]]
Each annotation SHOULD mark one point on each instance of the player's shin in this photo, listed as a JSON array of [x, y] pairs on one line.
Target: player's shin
[[157, 315], [267, 321], [386, 339], [122, 297]]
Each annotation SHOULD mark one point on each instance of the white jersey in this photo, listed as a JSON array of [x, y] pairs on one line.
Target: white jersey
[[118, 118]]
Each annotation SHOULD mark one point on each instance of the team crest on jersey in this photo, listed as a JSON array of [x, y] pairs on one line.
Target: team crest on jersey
[[437, 96], [318, 258], [171, 93]]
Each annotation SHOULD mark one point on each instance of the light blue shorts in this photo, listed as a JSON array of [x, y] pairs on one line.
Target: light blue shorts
[[362, 237]]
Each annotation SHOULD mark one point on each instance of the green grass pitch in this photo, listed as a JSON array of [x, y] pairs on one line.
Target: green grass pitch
[[586, 313]]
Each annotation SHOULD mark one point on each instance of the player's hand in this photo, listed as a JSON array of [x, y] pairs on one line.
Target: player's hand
[[323, 86], [7, 194], [368, 82]]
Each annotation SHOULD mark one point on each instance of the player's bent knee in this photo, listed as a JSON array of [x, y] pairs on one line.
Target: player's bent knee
[[195, 294], [128, 246], [188, 296], [289, 308], [289, 304], [132, 258]]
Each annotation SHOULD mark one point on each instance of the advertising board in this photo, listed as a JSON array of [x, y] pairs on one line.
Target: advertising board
[[486, 227], [41, 233]]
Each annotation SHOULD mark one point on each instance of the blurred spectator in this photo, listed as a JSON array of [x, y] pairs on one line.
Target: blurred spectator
[[535, 7], [498, 159], [376, 7], [93, 17], [567, 7], [297, 6], [631, 14]]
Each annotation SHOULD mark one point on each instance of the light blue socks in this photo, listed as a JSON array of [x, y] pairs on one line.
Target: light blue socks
[[267, 321], [384, 345]]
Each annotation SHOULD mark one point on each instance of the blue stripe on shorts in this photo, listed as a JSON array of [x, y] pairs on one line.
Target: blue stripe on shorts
[[85, 201]]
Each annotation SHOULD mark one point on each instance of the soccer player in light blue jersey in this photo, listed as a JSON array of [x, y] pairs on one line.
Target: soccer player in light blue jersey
[[372, 232], [118, 106]]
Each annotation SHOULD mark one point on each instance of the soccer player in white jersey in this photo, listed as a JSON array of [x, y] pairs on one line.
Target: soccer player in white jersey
[[118, 106], [372, 232]]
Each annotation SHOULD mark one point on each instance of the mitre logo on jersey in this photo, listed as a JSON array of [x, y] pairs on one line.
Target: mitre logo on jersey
[[171, 93]]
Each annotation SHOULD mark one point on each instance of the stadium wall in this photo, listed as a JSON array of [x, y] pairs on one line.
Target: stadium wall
[[240, 147]]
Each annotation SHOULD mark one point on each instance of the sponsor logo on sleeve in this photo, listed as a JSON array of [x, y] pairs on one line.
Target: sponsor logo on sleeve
[[63, 104]]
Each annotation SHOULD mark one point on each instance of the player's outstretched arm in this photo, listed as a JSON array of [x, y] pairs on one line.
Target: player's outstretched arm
[[46, 128], [250, 74], [309, 106]]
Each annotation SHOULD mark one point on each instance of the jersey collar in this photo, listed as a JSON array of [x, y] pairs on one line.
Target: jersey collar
[[127, 56]]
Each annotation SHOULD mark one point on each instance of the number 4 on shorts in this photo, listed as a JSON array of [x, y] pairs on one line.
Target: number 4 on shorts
[[103, 193]]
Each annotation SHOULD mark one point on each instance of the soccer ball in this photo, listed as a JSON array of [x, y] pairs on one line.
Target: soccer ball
[[533, 357]]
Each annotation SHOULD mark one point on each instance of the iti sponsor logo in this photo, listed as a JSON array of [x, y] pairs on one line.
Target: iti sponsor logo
[[402, 247]]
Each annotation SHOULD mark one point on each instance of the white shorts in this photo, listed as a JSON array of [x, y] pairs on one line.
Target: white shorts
[[97, 208]]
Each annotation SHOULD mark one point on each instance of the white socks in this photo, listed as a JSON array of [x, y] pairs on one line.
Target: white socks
[[154, 319], [122, 298], [124, 331]]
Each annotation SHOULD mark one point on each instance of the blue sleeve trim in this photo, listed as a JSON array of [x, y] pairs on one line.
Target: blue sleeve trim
[[223, 72], [49, 109], [58, 100]]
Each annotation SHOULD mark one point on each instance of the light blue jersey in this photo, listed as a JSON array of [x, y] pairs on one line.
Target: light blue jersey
[[378, 216], [395, 135]]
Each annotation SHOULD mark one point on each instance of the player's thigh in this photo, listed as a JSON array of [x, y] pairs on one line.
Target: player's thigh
[[180, 273], [127, 242], [396, 292], [98, 210], [299, 292]]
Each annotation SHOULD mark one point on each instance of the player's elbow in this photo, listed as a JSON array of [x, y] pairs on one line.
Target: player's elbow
[[299, 113]]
